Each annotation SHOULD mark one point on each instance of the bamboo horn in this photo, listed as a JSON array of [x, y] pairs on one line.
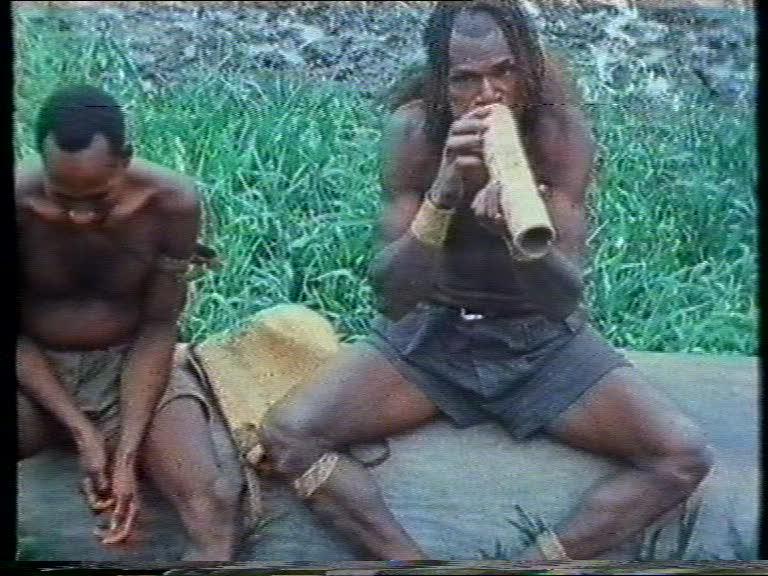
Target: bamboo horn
[[526, 216]]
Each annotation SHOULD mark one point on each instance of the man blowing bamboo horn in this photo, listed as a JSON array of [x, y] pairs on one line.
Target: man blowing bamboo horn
[[475, 328]]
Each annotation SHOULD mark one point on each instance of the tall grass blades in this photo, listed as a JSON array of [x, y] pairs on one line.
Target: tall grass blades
[[288, 172]]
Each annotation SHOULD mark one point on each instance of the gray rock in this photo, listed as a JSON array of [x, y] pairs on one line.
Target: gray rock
[[325, 52], [456, 490], [367, 48]]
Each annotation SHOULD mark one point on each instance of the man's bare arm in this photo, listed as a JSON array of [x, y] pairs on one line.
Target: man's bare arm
[[147, 369], [38, 381], [146, 373], [403, 270]]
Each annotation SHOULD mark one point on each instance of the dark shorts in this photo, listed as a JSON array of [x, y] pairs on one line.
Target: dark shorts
[[93, 379], [521, 372]]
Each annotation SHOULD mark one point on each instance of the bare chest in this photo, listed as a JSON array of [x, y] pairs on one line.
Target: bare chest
[[104, 264]]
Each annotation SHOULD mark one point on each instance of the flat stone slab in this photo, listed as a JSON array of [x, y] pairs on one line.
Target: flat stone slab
[[455, 491]]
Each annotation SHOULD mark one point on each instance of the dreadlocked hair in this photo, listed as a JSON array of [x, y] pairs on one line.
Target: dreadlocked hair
[[522, 40]]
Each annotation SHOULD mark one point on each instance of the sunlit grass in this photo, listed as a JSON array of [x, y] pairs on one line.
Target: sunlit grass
[[289, 176]]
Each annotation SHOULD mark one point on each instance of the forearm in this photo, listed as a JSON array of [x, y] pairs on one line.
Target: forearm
[[143, 381], [553, 282], [38, 381], [403, 272]]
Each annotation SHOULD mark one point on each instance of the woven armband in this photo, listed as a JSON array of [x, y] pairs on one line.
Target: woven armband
[[430, 225], [176, 266], [316, 475]]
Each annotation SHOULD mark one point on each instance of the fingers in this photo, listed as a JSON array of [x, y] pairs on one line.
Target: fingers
[[466, 133], [480, 112], [487, 202], [494, 201], [119, 513], [463, 144], [463, 153], [488, 209], [468, 126], [463, 162], [97, 501], [478, 204], [120, 523], [102, 484], [102, 504]]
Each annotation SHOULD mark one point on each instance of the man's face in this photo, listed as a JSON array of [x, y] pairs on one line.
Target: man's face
[[482, 68], [85, 183]]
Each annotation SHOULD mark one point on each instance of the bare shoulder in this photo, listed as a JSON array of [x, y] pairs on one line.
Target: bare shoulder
[[561, 140], [406, 125], [27, 181], [561, 110], [175, 204], [174, 194], [409, 159]]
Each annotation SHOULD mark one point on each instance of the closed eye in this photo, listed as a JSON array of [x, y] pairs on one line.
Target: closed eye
[[461, 76]]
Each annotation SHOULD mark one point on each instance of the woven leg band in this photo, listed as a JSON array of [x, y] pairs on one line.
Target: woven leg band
[[550, 546], [316, 475], [430, 225]]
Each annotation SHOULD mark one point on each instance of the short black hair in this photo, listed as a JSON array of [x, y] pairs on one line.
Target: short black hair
[[520, 35], [75, 114]]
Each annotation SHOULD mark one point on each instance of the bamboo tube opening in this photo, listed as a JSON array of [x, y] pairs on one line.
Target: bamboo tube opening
[[527, 220], [534, 242]]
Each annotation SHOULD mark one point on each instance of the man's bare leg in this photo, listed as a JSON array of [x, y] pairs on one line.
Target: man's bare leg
[[180, 460], [623, 417], [361, 398]]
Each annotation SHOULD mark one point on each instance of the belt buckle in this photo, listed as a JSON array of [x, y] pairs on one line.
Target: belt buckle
[[465, 315]]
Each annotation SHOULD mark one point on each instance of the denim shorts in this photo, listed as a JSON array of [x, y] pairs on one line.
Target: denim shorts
[[521, 372]]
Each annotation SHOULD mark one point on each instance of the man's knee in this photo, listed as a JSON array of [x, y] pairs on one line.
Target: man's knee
[[683, 465], [218, 496], [291, 445], [226, 493]]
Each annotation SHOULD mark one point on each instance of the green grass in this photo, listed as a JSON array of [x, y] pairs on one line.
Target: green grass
[[674, 221], [671, 541], [288, 173]]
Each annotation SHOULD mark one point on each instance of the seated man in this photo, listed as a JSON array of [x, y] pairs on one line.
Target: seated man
[[105, 241], [473, 330]]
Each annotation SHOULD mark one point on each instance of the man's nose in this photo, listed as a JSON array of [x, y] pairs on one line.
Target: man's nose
[[489, 93]]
